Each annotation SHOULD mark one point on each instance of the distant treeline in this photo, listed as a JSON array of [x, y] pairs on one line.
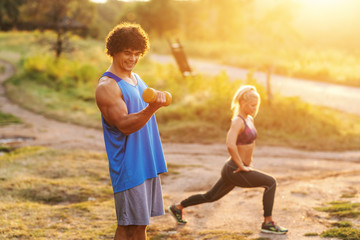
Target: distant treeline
[[209, 20]]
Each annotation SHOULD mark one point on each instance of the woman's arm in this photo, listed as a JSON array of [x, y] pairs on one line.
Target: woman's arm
[[237, 125]]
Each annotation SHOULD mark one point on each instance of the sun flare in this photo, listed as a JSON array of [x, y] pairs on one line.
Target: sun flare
[[321, 4], [328, 7]]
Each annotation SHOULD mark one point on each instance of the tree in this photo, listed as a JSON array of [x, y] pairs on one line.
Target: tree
[[60, 16], [9, 13], [105, 17], [156, 16]]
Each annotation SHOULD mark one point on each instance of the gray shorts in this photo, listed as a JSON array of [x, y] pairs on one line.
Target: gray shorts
[[136, 205]]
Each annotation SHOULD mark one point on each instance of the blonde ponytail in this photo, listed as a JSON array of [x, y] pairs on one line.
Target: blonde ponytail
[[244, 93]]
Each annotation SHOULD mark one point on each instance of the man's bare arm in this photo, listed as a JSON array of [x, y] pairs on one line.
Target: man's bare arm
[[113, 108]]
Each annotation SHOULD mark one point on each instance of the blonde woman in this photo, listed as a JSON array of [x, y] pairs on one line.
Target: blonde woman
[[240, 143]]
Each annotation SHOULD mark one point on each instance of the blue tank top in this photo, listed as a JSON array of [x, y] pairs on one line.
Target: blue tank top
[[249, 134], [138, 156]]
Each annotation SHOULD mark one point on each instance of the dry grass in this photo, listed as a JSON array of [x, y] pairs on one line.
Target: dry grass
[[63, 194], [342, 229], [48, 194]]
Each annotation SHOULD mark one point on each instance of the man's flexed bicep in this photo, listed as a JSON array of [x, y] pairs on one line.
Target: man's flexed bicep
[[110, 102], [113, 108]]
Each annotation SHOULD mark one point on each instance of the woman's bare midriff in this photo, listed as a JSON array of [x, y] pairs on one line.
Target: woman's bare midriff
[[246, 153]]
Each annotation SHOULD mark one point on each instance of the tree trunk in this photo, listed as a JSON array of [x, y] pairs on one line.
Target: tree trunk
[[59, 44]]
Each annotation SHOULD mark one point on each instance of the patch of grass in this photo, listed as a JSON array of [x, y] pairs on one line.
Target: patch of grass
[[338, 206], [6, 119], [54, 194], [344, 233], [294, 113], [5, 148], [343, 229], [20, 153], [59, 105], [18, 44], [349, 193], [311, 234], [53, 191], [342, 209], [342, 224]]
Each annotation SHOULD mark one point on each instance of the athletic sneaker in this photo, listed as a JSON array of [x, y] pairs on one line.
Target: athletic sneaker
[[177, 214], [271, 227]]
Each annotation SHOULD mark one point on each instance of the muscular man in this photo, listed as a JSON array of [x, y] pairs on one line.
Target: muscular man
[[131, 134]]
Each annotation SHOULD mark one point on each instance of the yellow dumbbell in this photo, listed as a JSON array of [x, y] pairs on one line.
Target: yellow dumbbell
[[149, 96]]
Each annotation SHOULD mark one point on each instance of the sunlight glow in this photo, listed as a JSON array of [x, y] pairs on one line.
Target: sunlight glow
[[320, 4], [318, 18], [98, 1], [327, 8], [104, 1]]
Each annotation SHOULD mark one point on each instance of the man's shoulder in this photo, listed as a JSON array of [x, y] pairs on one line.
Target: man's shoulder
[[105, 82], [107, 86]]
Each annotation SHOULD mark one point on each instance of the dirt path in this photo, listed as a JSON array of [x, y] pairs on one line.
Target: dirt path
[[45, 131], [305, 179]]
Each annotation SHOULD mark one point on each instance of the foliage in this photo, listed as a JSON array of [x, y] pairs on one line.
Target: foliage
[[241, 33], [60, 16], [157, 17], [200, 112], [60, 73], [230, 21], [106, 17], [294, 60], [66, 88], [9, 13]]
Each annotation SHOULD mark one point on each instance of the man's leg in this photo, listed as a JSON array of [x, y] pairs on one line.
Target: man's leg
[[131, 232]]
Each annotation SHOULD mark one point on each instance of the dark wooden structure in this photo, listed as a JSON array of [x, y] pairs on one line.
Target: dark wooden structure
[[178, 52]]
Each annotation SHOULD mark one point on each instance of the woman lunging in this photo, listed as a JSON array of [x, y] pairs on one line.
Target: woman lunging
[[240, 143]]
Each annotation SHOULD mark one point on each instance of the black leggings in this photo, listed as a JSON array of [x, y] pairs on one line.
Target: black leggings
[[229, 180]]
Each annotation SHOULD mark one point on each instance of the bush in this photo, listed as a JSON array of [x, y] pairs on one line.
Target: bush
[[60, 73]]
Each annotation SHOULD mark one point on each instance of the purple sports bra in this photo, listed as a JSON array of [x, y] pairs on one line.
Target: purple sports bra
[[249, 134]]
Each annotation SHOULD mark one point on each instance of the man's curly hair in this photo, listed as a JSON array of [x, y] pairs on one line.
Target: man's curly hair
[[127, 36]]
